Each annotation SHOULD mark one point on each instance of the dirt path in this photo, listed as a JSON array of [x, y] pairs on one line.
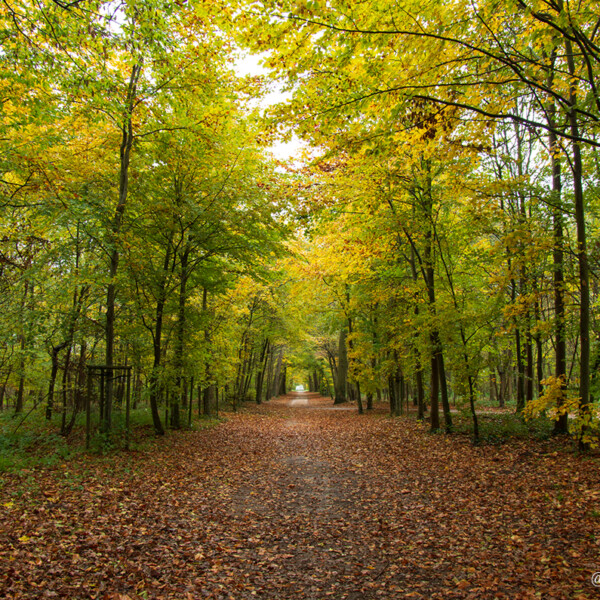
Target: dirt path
[[296, 499]]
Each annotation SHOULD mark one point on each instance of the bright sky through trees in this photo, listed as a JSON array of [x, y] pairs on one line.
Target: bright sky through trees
[[250, 65]]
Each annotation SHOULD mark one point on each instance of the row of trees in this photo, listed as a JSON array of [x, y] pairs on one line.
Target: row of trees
[[448, 235], [453, 209], [138, 208]]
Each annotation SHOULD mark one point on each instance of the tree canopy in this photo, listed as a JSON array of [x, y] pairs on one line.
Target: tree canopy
[[435, 248]]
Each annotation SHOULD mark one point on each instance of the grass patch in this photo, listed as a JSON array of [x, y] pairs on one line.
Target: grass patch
[[31, 442], [28, 440]]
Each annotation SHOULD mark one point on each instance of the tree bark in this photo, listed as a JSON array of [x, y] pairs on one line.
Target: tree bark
[[560, 357], [179, 398], [341, 379], [262, 367], [356, 383], [157, 344], [115, 230]]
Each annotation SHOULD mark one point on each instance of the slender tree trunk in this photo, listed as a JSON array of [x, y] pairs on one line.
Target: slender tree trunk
[[398, 392], [154, 382], [341, 380], [241, 371], [560, 344], [537, 339], [434, 394], [370, 394], [444, 387], [116, 226], [262, 367], [52, 383], [333, 369], [4, 386], [582, 256], [434, 388], [519, 357], [393, 399], [529, 373], [249, 371], [65, 393], [520, 373], [79, 391], [20, 399], [270, 366], [351, 346], [276, 383], [420, 391], [472, 407], [283, 381], [523, 282], [178, 398], [210, 390]]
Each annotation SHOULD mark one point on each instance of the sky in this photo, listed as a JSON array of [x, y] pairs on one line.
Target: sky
[[250, 65]]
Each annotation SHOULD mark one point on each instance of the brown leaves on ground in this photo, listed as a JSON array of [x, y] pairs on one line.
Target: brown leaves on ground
[[305, 501]]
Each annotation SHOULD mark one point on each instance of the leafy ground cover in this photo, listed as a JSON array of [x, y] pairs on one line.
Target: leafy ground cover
[[297, 499]]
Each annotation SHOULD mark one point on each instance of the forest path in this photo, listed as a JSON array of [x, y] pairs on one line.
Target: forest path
[[293, 500]]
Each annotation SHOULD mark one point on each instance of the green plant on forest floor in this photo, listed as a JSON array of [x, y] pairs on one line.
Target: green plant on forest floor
[[501, 427]]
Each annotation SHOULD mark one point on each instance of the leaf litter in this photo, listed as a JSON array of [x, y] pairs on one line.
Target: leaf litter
[[285, 501]]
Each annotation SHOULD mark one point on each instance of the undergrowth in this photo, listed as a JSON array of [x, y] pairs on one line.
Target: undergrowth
[[501, 427], [29, 441]]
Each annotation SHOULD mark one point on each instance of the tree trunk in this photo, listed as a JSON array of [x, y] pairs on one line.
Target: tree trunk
[[210, 391], [351, 346], [157, 345], [434, 418], [53, 374], [65, 385], [582, 257], [116, 225], [397, 383], [560, 344], [444, 387], [392, 391], [561, 425], [262, 367], [4, 386], [249, 371], [520, 373], [277, 375], [370, 394], [420, 392], [270, 361], [283, 381], [179, 397], [241, 371], [433, 336], [341, 380], [20, 400]]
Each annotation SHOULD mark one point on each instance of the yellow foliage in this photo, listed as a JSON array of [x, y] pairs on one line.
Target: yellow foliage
[[554, 403]]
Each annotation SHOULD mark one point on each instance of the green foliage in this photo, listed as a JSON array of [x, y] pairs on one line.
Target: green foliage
[[132, 162], [33, 444], [501, 428]]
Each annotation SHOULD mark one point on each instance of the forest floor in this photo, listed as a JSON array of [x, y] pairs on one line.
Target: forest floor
[[299, 499]]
